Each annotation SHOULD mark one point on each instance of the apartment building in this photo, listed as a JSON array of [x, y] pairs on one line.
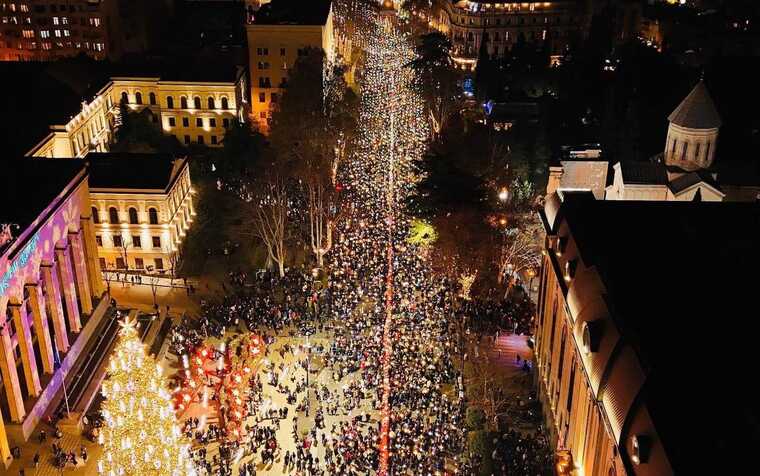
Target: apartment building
[[278, 33], [34, 30]]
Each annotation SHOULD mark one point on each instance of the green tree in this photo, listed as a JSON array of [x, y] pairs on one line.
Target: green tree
[[140, 132], [436, 76]]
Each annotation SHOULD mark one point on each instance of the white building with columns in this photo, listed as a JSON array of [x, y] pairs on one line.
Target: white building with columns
[[50, 287], [142, 207]]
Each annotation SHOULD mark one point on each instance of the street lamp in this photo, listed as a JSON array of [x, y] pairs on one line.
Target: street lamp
[[503, 194]]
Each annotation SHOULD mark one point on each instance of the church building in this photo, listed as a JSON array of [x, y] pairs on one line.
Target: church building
[[686, 170]]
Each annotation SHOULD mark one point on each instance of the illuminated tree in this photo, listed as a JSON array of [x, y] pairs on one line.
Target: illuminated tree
[[140, 435]]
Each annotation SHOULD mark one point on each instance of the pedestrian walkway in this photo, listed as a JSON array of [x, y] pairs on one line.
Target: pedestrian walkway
[[46, 467]]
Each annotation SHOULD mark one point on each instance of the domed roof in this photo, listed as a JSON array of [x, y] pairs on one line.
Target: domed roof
[[697, 111]]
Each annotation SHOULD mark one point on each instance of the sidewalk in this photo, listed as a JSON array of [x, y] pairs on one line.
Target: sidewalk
[[69, 442]]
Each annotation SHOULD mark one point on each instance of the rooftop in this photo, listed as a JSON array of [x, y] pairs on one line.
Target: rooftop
[[124, 171], [293, 12], [697, 110], [678, 283], [31, 185]]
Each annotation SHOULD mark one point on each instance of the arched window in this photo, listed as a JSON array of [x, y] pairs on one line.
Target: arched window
[[153, 216], [124, 97], [225, 103], [113, 216], [183, 102], [211, 104], [133, 216], [152, 99], [95, 216], [169, 102], [138, 97], [197, 102]]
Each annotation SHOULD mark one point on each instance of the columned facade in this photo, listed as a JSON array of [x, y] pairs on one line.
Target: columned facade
[[66, 279], [47, 285], [54, 306]]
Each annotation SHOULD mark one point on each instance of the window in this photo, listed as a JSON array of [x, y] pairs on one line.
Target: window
[[226, 123], [152, 99], [169, 102], [156, 242], [262, 51], [262, 97], [136, 242], [282, 51], [212, 122], [183, 102], [187, 139], [120, 263], [211, 103], [172, 122], [139, 263], [56, 21], [113, 216], [685, 150], [95, 216], [197, 102], [225, 103], [102, 262], [153, 216], [159, 263], [124, 97], [696, 151], [99, 240], [185, 122], [199, 122], [117, 241], [274, 98], [138, 97], [213, 140], [133, 216], [44, 34], [200, 140]]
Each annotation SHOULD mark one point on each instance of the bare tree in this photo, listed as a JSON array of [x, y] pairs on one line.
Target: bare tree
[[484, 388], [271, 220], [174, 261], [322, 211], [520, 251], [154, 282]]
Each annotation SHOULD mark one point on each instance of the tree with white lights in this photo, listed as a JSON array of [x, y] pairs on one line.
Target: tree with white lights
[[141, 434]]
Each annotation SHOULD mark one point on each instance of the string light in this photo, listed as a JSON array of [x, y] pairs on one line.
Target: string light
[[140, 433]]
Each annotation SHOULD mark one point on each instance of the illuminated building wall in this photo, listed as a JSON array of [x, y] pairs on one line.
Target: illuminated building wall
[[194, 112], [43, 30], [587, 372], [273, 49], [142, 228], [49, 292], [468, 22]]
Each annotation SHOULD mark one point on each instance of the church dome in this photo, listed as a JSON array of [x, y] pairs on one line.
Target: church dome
[[697, 110]]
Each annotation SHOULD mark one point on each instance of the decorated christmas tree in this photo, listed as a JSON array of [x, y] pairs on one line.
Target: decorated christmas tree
[[140, 435]]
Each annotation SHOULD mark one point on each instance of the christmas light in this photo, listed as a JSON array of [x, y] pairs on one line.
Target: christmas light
[[140, 433]]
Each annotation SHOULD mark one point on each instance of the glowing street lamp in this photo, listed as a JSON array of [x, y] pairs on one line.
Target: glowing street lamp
[[503, 194]]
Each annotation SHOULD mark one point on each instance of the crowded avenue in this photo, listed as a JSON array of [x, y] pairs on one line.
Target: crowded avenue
[[348, 379]]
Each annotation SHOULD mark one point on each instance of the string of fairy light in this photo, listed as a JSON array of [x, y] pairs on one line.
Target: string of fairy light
[[373, 254], [140, 434]]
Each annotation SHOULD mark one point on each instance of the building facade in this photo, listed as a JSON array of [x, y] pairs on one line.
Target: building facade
[[193, 111], [278, 33], [43, 30], [622, 319], [502, 24], [50, 286], [142, 207]]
